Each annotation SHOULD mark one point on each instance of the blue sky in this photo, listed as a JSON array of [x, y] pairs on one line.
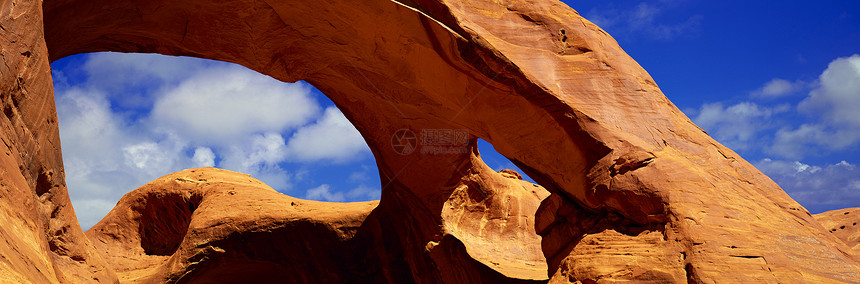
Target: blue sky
[[779, 84]]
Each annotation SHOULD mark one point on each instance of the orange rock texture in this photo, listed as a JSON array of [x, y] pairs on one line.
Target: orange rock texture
[[209, 225], [631, 189], [843, 224]]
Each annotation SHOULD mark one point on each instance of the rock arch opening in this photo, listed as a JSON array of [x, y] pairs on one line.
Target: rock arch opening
[[127, 119], [499, 162], [164, 221], [492, 213], [572, 109]]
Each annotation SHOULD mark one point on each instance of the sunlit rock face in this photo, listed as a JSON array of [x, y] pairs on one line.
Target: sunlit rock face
[[843, 223], [631, 189], [215, 225]]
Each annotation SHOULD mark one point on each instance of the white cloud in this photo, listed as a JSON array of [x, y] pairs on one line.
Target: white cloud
[[301, 174], [114, 71], [816, 187], [363, 193], [837, 98], [87, 114], [90, 133], [130, 79], [107, 152], [203, 157], [795, 143], [785, 168], [737, 125], [325, 193], [90, 211], [259, 156], [268, 148], [332, 137], [105, 156], [136, 117], [272, 175], [834, 103], [777, 88], [358, 176], [221, 104], [150, 157]]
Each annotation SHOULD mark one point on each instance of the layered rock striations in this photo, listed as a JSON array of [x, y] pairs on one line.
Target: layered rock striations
[[40, 239], [631, 188], [216, 226], [843, 224], [210, 225]]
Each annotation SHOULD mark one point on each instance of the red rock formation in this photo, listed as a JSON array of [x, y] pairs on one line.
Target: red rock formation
[[40, 239], [217, 226], [843, 224], [493, 216], [638, 191], [210, 225]]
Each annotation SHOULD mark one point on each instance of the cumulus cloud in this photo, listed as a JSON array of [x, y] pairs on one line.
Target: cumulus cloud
[[833, 106], [778, 88], [332, 137], [796, 143], [830, 124], [203, 157], [90, 210], [825, 124], [325, 193], [219, 104], [84, 115], [817, 188], [357, 176], [736, 125], [147, 156], [117, 71], [363, 193], [136, 117], [268, 148], [130, 79], [104, 155], [643, 19], [362, 175], [837, 98], [259, 155]]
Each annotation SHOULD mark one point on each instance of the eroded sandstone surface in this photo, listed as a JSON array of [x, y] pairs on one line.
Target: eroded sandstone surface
[[212, 225], [635, 190], [843, 224]]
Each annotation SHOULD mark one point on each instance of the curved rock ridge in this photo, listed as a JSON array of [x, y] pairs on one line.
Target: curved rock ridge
[[210, 225], [493, 214], [637, 191], [843, 223]]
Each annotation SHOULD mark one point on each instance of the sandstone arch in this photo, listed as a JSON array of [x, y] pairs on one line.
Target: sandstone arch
[[553, 92]]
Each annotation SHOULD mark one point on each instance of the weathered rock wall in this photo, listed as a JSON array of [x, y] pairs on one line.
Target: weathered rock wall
[[40, 239], [842, 223], [638, 191]]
